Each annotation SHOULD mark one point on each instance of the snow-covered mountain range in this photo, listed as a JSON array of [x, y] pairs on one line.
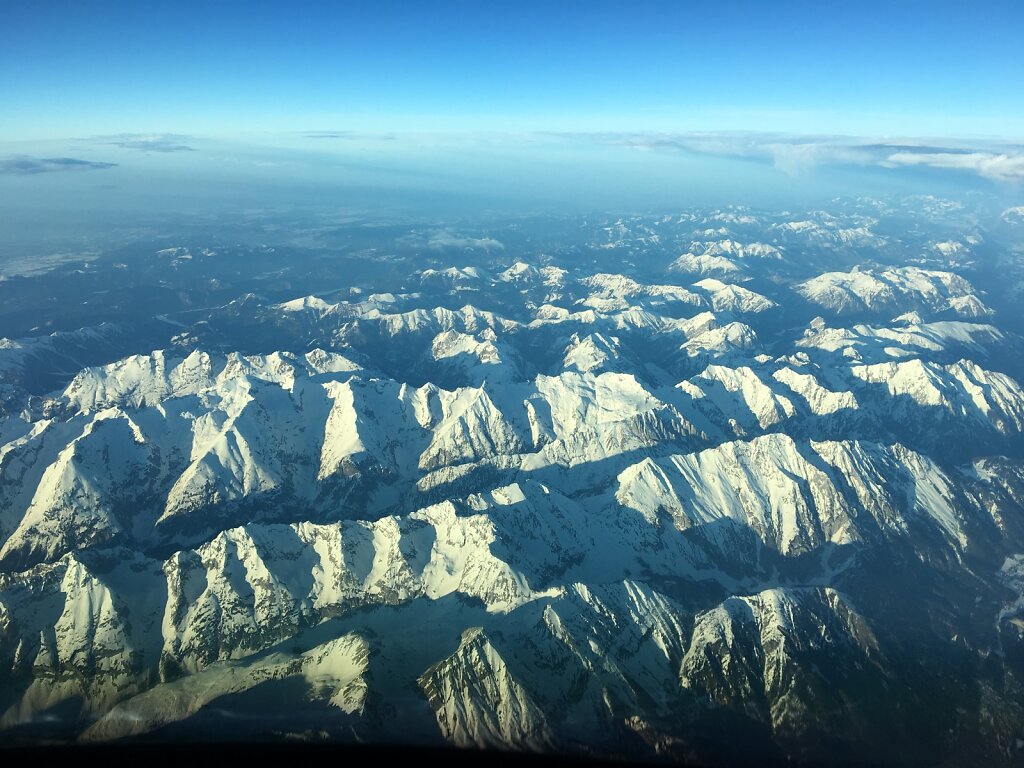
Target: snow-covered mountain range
[[724, 503]]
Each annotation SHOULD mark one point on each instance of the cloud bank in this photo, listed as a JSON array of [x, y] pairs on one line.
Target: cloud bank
[[797, 154], [1002, 167], [24, 165]]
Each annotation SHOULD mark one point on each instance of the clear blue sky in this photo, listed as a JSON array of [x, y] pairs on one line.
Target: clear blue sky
[[894, 68]]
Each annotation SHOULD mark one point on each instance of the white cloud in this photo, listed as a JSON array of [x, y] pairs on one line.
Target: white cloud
[[1001, 167], [799, 158]]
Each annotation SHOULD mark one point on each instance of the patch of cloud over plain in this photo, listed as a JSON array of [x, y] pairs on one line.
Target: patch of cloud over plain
[[25, 165], [441, 240], [798, 154], [162, 142], [349, 135]]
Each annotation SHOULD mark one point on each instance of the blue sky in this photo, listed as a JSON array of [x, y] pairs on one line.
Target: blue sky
[[224, 68]]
